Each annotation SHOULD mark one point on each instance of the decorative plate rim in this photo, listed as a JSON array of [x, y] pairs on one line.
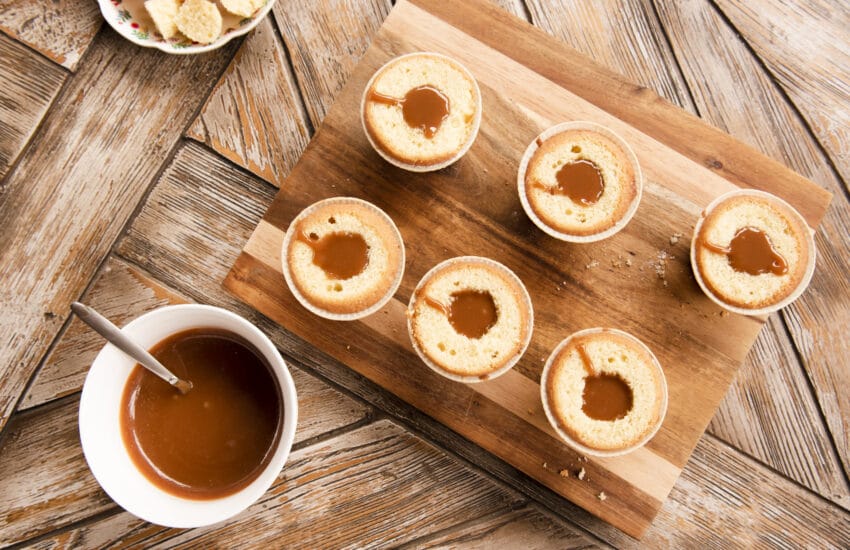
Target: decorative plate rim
[[111, 12]]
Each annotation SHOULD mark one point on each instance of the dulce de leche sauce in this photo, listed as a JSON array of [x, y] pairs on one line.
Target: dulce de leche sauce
[[471, 312], [423, 107], [217, 438], [341, 255], [750, 251], [605, 396], [579, 180]]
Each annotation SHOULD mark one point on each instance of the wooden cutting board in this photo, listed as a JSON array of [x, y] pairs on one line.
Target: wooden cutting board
[[639, 280]]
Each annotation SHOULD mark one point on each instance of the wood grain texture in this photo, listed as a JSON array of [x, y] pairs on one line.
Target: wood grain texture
[[44, 479], [622, 35], [397, 488], [732, 91], [28, 84], [725, 498], [325, 39], [525, 528], [254, 116], [804, 44], [70, 196], [62, 30], [703, 337]]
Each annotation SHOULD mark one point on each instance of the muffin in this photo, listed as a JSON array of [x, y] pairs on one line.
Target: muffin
[[470, 319], [752, 252], [421, 111], [579, 182], [343, 258], [604, 392]]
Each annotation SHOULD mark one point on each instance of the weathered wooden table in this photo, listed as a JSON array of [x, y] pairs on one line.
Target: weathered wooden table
[[131, 179]]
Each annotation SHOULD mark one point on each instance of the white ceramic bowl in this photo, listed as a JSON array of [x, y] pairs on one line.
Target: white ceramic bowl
[[138, 29], [579, 125], [100, 431], [476, 123]]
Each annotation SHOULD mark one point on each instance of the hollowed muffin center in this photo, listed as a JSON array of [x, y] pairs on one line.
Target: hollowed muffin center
[[472, 313], [341, 255], [606, 397]]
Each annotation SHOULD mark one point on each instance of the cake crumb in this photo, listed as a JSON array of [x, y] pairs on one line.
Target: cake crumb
[[564, 473], [724, 313], [545, 466], [602, 496], [592, 264], [675, 238], [531, 412], [628, 262], [580, 475], [348, 346]]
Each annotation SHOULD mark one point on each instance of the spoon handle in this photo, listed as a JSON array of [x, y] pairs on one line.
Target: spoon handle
[[113, 334]]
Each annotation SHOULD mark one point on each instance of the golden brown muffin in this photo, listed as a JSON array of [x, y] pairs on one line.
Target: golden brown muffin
[[343, 256], [752, 251], [580, 182], [604, 390], [470, 318], [421, 111]]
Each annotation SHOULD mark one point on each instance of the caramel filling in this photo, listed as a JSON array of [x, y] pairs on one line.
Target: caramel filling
[[580, 180], [471, 312], [341, 255], [423, 107], [605, 396], [751, 251]]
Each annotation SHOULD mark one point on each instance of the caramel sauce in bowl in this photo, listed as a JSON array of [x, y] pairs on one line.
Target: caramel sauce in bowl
[[114, 465]]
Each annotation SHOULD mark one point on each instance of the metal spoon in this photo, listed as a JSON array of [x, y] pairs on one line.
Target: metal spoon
[[113, 334]]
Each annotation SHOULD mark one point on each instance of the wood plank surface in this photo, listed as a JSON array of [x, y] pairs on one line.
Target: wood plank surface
[[733, 92], [254, 116], [784, 34], [325, 39], [61, 30], [255, 277], [397, 488], [525, 528], [67, 200], [28, 84], [622, 35]]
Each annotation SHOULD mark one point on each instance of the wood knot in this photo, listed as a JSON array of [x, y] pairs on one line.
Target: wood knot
[[714, 164]]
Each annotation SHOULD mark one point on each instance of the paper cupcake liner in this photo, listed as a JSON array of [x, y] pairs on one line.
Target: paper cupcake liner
[[525, 298], [579, 125], [580, 447], [423, 167], [807, 275], [303, 300]]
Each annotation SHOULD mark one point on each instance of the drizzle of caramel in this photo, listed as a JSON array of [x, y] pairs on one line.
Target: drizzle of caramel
[[605, 396], [580, 180], [471, 312], [750, 251], [341, 255], [423, 107]]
